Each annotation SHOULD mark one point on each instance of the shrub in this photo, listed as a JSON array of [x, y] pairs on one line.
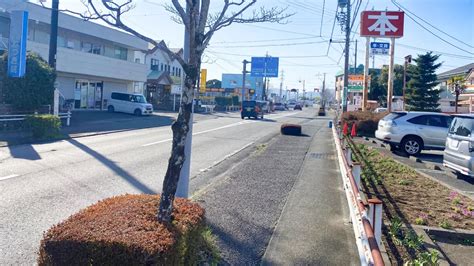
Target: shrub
[[44, 126], [32, 91], [366, 122], [124, 230], [223, 101], [290, 129]]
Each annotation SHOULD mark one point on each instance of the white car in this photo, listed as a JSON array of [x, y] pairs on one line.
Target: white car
[[380, 110], [413, 132], [291, 105], [129, 103]]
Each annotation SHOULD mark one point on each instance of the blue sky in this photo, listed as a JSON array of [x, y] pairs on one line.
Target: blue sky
[[302, 46]]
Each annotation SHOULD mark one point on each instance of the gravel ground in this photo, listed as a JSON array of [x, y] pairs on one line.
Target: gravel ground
[[243, 209]]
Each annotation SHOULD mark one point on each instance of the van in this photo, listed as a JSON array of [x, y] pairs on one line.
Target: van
[[129, 103], [459, 151], [252, 109]]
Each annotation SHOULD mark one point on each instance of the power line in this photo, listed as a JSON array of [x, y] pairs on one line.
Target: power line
[[287, 56], [434, 34], [332, 33], [280, 30], [270, 40], [436, 28], [322, 18], [268, 45]]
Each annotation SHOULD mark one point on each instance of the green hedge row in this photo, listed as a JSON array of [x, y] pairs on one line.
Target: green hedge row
[[43, 126]]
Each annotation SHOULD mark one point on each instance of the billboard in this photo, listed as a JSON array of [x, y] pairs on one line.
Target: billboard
[[17, 43], [382, 24], [264, 67], [356, 83]]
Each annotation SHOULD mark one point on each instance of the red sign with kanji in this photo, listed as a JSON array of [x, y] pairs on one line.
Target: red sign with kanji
[[382, 24]]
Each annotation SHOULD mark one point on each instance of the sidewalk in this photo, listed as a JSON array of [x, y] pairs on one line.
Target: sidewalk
[[313, 228], [283, 204]]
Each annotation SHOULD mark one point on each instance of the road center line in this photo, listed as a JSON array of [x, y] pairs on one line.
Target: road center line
[[7, 177], [215, 129]]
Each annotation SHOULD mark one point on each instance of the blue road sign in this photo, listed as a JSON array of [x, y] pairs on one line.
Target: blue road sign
[[17, 43], [379, 48], [264, 67]]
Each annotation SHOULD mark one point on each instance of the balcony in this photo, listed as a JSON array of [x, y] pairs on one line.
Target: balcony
[[78, 62]]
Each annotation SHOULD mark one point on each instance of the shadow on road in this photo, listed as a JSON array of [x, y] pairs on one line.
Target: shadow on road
[[114, 167], [26, 152]]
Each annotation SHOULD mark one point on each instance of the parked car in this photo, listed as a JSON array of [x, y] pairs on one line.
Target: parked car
[[413, 132], [298, 106], [129, 103], [459, 151], [279, 107], [252, 109]]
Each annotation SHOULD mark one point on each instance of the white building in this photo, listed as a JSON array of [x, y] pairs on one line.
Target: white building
[[92, 60], [164, 78]]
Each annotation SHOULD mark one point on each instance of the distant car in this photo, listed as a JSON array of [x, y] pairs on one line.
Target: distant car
[[298, 106], [252, 109], [291, 105], [459, 152], [129, 103], [380, 110], [413, 132], [279, 107], [308, 103]]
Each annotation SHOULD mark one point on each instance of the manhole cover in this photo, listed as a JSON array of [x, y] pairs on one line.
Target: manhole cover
[[321, 156]]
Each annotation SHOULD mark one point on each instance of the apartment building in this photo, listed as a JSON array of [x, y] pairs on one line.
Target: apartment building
[[92, 60]]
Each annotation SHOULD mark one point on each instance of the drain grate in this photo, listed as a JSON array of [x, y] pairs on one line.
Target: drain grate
[[322, 156]]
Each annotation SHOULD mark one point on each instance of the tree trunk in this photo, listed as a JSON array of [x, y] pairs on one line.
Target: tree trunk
[[180, 130], [456, 102]]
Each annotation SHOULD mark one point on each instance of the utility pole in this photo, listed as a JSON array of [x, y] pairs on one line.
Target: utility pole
[[365, 93], [281, 84], [53, 47], [244, 72], [323, 92], [407, 61], [355, 58], [346, 55], [182, 189], [390, 75]]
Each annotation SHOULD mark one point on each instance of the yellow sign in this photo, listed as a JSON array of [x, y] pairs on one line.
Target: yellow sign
[[202, 84]]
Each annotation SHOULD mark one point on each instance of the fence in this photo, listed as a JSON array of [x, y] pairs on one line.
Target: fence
[[366, 214], [8, 118]]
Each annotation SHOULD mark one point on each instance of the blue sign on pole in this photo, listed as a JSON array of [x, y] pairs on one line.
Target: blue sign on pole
[[264, 67], [17, 43], [379, 48]]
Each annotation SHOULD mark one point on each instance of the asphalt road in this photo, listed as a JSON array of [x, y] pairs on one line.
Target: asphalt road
[[40, 185]]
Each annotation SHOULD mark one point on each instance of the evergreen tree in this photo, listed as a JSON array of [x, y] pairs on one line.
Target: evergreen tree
[[420, 94]]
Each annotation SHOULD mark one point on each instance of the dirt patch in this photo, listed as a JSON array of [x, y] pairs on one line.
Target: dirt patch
[[409, 198]]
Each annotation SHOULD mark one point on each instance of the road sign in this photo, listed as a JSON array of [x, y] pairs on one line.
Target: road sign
[[379, 48], [202, 84], [264, 67], [382, 24], [356, 83], [17, 43]]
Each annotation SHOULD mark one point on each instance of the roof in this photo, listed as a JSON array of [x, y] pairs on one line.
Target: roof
[[445, 94], [158, 76], [463, 70]]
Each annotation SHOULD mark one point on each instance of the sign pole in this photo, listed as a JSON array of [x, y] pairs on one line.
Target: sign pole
[[244, 71], [365, 93], [390, 75]]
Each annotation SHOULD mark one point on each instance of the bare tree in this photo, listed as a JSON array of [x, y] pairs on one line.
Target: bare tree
[[200, 25]]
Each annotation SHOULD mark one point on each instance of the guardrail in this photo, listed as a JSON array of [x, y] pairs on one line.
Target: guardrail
[[7, 118], [366, 215]]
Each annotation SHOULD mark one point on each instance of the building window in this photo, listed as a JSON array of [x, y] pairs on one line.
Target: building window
[[172, 72], [154, 64], [120, 53], [137, 60], [161, 67], [96, 49]]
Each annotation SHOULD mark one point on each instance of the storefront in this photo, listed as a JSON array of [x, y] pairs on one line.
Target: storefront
[[89, 95]]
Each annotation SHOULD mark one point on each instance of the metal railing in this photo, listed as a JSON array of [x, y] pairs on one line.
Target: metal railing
[[366, 214], [7, 118]]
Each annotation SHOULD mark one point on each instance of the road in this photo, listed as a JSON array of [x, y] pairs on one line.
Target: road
[[40, 185]]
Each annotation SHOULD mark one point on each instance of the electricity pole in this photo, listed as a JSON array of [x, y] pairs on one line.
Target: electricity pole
[[53, 47], [281, 84], [346, 56], [355, 58], [407, 61], [244, 72]]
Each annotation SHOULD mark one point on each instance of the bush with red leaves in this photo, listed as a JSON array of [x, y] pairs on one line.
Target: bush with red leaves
[[366, 122], [290, 129], [123, 230]]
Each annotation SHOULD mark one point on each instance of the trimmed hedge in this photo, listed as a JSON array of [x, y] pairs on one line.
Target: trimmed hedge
[[290, 129], [366, 122], [124, 230], [44, 126]]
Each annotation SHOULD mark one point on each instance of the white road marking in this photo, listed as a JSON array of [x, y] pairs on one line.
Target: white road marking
[[7, 177], [218, 128], [226, 157]]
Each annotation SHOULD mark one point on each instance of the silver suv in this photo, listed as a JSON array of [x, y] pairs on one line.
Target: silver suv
[[413, 132], [459, 152]]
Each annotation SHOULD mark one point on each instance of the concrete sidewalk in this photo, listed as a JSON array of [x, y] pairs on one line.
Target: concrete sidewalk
[[313, 228]]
